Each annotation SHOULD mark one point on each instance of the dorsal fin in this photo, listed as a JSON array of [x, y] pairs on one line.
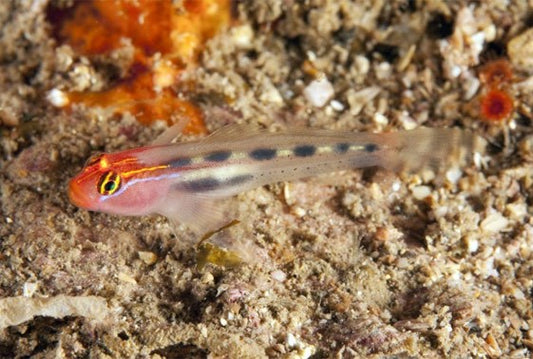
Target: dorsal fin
[[232, 132], [171, 133]]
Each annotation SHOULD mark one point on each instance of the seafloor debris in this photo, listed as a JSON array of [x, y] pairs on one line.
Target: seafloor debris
[[520, 50], [158, 39], [319, 92], [363, 263], [496, 101], [16, 310], [473, 28], [496, 73], [496, 105]]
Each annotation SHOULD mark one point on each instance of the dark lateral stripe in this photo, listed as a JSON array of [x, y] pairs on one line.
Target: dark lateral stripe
[[180, 162], [304, 150], [218, 156], [210, 184], [202, 185], [262, 154], [342, 147]]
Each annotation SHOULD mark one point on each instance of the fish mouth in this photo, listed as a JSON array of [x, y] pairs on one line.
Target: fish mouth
[[77, 196]]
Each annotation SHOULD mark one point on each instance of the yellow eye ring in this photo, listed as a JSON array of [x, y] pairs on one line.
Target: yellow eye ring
[[109, 183]]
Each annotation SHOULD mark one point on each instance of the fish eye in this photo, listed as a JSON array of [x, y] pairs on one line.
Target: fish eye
[[109, 183]]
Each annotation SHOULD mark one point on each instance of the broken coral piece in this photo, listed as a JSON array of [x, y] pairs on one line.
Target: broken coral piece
[[17, 310], [473, 28]]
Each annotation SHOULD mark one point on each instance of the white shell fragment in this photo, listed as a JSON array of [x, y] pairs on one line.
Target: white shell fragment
[[407, 121], [57, 98], [472, 244], [271, 94], [454, 174], [242, 36], [471, 85], [421, 192], [278, 275], [337, 105], [362, 64], [494, 223], [17, 310], [358, 99], [517, 211], [148, 257], [29, 289], [461, 51], [319, 92]]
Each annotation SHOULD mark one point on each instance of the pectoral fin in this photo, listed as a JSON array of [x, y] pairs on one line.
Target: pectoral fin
[[201, 214]]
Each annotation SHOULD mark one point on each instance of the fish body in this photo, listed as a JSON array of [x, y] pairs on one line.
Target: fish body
[[183, 181]]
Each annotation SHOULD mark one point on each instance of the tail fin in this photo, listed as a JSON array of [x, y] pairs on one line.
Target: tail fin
[[431, 148]]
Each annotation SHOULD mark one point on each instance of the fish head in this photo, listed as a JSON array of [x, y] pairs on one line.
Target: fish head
[[110, 183]]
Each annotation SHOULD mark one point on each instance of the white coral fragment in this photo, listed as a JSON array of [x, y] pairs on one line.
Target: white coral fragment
[[494, 222], [462, 49], [242, 36], [57, 98], [319, 92], [17, 310], [358, 99]]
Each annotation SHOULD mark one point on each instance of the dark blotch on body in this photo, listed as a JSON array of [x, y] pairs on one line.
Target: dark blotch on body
[[233, 181], [218, 156], [304, 150], [342, 147], [180, 162], [262, 154], [371, 147]]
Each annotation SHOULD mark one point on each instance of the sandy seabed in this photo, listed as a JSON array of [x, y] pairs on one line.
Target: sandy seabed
[[363, 263]]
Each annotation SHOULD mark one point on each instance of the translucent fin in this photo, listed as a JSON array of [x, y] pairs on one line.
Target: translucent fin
[[201, 214], [232, 132], [171, 133], [431, 148]]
